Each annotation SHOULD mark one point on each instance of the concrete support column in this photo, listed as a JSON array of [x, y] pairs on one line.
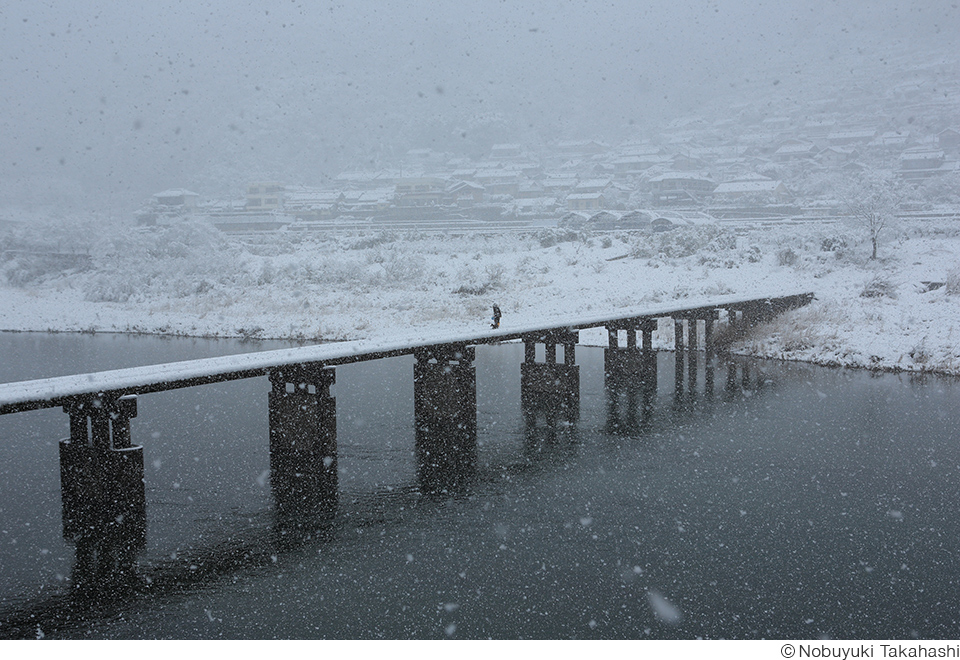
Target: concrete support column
[[550, 394], [303, 444], [693, 338], [708, 344], [102, 491], [551, 384], [647, 328], [445, 411], [692, 356], [613, 337], [678, 335]]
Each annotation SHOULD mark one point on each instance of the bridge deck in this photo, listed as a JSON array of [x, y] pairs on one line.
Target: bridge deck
[[53, 392]]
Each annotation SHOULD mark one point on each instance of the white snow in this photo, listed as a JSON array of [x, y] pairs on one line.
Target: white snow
[[383, 290]]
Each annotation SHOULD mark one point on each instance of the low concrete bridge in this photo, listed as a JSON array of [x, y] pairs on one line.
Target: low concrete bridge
[[102, 470]]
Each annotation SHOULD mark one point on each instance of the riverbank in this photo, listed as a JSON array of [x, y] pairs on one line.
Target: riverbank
[[899, 312]]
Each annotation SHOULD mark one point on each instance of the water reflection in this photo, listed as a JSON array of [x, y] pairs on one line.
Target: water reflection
[[725, 513]]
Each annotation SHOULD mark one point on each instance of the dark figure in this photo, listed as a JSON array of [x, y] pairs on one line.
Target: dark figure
[[496, 318]]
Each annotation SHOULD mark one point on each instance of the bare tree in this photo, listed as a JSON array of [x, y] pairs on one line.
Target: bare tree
[[872, 200]]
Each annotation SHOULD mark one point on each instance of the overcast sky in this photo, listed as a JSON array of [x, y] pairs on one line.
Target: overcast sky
[[126, 98]]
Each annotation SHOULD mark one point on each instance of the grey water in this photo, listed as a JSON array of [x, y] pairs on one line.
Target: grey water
[[756, 500]]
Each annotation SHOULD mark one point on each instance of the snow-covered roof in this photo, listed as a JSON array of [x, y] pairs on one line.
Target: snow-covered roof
[[598, 184], [860, 134], [796, 147], [741, 187], [671, 176], [921, 153], [176, 192]]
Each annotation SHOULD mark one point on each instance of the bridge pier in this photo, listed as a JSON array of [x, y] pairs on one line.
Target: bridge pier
[[551, 384], [303, 443], [445, 412], [102, 491], [550, 392]]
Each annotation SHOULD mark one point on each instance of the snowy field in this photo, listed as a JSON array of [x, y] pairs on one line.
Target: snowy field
[[192, 280]]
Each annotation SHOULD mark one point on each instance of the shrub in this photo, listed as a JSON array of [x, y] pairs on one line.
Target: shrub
[[786, 257], [879, 287], [952, 283], [833, 244]]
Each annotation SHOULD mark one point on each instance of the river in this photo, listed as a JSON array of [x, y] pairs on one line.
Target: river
[[789, 501]]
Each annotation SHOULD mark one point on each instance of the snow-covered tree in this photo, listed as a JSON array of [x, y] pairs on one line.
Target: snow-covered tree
[[872, 200]]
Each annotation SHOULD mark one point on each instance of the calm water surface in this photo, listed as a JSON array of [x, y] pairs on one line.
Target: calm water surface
[[794, 502]]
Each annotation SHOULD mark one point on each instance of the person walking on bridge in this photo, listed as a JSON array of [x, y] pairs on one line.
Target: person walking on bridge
[[496, 317]]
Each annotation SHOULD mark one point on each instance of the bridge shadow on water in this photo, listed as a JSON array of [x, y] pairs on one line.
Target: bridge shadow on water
[[105, 518]]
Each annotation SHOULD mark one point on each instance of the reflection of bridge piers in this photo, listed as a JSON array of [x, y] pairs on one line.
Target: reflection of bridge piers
[[630, 382]]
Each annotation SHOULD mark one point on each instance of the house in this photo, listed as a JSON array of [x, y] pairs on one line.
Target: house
[[852, 136], [775, 123], [794, 150], [682, 162], [465, 193], [167, 206], [593, 201], [922, 163], [264, 196], [366, 202], [312, 205], [680, 188], [420, 191], [763, 191], [530, 190], [891, 140], [179, 198], [499, 181], [637, 163], [949, 140], [592, 185], [837, 156]]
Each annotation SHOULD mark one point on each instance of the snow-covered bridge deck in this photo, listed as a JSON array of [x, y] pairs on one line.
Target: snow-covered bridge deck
[[53, 392]]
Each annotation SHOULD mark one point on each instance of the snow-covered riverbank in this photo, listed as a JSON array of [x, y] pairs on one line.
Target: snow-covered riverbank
[[192, 280]]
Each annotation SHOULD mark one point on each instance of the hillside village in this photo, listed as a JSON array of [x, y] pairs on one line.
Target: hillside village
[[782, 159]]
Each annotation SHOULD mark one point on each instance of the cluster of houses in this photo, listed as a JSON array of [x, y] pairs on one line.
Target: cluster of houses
[[691, 166]]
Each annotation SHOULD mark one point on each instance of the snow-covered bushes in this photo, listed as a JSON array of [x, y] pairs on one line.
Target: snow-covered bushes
[[952, 282], [786, 257], [104, 288], [879, 287]]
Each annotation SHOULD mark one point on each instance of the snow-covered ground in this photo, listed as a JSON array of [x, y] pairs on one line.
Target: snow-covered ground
[[193, 280]]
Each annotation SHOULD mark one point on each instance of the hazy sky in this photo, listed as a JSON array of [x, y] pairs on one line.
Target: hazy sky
[[126, 98]]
